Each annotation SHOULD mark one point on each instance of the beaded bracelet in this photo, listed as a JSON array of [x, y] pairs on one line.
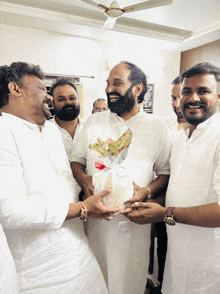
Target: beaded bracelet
[[84, 211]]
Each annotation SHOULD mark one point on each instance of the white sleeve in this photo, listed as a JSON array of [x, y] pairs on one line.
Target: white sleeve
[[162, 164], [17, 210], [80, 145], [217, 173]]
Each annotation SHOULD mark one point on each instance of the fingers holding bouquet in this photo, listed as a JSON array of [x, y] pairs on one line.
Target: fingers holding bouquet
[[96, 209]]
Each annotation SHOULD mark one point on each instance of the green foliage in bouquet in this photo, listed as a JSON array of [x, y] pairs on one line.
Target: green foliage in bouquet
[[111, 147]]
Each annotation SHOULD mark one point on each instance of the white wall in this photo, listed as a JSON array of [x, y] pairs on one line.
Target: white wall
[[64, 54]]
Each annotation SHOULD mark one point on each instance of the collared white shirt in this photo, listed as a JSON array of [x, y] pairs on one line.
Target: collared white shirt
[[36, 186], [193, 258], [121, 246], [67, 139], [172, 123]]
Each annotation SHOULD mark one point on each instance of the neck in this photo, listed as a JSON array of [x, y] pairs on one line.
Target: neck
[[192, 129], [19, 112], [69, 126], [127, 115]]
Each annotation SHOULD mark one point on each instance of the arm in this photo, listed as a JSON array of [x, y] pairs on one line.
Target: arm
[[85, 182], [157, 186], [207, 215], [95, 207]]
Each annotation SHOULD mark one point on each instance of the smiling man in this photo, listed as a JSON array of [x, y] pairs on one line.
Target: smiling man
[[193, 194], [66, 109], [39, 208], [120, 246]]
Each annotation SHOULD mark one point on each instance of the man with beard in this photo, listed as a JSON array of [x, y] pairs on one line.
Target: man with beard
[[66, 110], [175, 123], [39, 209], [193, 194], [120, 246]]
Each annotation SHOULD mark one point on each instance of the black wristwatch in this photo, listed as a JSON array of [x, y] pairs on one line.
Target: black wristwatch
[[169, 220]]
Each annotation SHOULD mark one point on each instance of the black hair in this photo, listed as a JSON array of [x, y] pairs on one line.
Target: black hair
[[202, 68], [176, 81], [137, 76], [62, 82], [15, 73]]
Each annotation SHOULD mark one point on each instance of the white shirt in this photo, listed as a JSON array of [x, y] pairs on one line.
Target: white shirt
[[8, 275], [67, 139], [123, 259], [172, 123], [193, 258], [36, 186]]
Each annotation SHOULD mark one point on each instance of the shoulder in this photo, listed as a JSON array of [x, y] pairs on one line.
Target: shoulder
[[98, 118]]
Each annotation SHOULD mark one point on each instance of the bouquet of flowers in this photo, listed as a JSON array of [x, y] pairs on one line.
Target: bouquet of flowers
[[111, 171]]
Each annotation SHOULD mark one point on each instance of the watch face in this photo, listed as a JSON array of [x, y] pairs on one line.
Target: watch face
[[170, 221]]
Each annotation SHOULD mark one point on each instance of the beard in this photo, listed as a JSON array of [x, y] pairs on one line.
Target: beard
[[208, 112], [123, 104], [178, 112], [68, 112]]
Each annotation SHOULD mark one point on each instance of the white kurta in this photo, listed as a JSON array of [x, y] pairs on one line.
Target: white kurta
[[36, 186], [172, 123], [193, 257], [8, 275], [120, 246], [67, 139]]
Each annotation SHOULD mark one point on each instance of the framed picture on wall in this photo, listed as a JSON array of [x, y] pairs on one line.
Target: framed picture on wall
[[147, 104]]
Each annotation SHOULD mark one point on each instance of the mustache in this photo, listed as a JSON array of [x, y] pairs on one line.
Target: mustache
[[201, 104], [68, 106], [47, 101]]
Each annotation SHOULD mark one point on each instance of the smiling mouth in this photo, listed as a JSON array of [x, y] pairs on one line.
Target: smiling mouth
[[113, 98]]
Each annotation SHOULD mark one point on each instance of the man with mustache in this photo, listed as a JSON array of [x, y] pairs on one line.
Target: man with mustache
[[120, 246], [66, 109], [39, 209], [193, 194]]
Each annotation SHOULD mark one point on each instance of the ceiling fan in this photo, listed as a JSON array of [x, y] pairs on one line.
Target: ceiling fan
[[114, 11]]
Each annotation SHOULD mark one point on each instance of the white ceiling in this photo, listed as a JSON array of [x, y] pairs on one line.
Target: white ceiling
[[181, 25]]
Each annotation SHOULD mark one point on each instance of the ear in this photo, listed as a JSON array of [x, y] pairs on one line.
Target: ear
[[138, 89], [14, 89]]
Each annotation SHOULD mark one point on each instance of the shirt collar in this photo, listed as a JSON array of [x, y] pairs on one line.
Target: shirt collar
[[23, 121], [205, 123], [121, 119]]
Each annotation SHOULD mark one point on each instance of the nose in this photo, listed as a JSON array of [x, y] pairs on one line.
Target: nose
[[177, 103], [49, 97], [109, 89], [194, 97]]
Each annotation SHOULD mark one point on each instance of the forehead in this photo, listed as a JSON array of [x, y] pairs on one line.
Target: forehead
[[100, 103], [65, 90], [175, 89], [201, 80], [32, 80], [120, 71]]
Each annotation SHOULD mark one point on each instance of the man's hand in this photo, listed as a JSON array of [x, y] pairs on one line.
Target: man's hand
[[87, 186], [96, 209], [139, 195], [145, 213]]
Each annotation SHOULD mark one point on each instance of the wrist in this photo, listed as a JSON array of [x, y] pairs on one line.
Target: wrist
[[148, 194]]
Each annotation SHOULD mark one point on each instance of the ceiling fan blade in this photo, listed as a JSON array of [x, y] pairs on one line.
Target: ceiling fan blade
[[146, 5], [109, 23], [94, 3]]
